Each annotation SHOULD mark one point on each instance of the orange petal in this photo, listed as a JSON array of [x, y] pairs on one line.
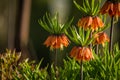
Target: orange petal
[[73, 52], [89, 22], [100, 23], [48, 41]]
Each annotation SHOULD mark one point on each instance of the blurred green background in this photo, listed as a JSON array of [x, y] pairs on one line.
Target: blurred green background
[[19, 28]]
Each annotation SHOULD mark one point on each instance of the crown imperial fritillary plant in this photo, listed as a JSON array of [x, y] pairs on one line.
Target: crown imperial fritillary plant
[[111, 7], [88, 26], [88, 33], [81, 53], [57, 38], [101, 38], [86, 37], [89, 22], [57, 41]]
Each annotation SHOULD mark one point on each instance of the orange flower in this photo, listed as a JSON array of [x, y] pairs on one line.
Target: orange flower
[[97, 22], [101, 38], [85, 22], [112, 8], [90, 23], [116, 9], [57, 41], [107, 8], [81, 53]]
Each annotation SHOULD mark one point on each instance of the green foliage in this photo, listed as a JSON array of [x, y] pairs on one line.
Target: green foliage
[[69, 71], [104, 67], [30, 71], [52, 25], [8, 62], [79, 36], [11, 69], [89, 7]]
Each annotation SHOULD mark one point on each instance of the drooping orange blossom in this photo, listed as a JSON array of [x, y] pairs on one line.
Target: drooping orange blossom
[[101, 38], [81, 53], [57, 41], [116, 9], [111, 7], [90, 23]]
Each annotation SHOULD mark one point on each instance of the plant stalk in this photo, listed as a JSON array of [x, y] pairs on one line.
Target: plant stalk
[[91, 37], [97, 46], [81, 70], [56, 63], [56, 57], [111, 34]]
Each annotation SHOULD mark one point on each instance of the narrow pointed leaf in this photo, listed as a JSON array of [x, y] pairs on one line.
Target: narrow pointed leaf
[[49, 20], [79, 7], [88, 4], [65, 27], [87, 36], [92, 4], [90, 41], [44, 25]]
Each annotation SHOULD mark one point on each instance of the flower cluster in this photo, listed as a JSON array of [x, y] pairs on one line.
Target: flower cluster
[[81, 53], [101, 38], [90, 23], [88, 34], [88, 31], [57, 41], [111, 7]]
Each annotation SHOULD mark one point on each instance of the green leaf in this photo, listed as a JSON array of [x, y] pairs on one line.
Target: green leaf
[[117, 58], [87, 36], [26, 77], [89, 41], [49, 20], [96, 9], [54, 25], [87, 4], [38, 66], [83, 35], [75, 35], [57, 23], [44, 25], [84, 6], [79, 7], [105, 27], [92, 4], [65, 27], [53, 73]]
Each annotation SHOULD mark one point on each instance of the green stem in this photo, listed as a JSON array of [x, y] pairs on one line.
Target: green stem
[[91, 37], [56, 57], [56, 63], [97, 46], [111, 34], [81, 70]]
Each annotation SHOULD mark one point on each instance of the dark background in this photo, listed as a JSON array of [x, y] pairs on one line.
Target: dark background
[[19, 28]]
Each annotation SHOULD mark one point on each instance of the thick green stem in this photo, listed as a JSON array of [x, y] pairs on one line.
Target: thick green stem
[[91, 37], [97, 49], [111, 34], [56, 63], [81, 70], [56, 52]]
